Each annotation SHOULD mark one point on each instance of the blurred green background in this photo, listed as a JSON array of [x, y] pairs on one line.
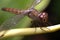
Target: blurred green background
[[53, 9]]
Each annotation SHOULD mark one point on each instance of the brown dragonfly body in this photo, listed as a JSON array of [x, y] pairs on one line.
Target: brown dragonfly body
[[32, 13]]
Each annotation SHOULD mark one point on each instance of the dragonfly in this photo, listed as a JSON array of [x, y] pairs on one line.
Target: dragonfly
[[32, 13], [41, 17]]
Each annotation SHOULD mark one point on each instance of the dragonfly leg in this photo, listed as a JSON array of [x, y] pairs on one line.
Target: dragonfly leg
[[44, 29]]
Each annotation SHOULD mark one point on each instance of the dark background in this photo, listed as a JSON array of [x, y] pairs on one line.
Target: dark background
[[53, 11]]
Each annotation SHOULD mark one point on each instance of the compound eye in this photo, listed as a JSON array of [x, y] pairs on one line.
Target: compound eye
[[43, 16]]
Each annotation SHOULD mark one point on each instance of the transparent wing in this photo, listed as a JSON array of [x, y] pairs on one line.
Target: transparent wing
[[35, 3], [11, 22]]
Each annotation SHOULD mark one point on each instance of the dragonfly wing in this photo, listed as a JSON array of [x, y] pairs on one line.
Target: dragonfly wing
[[10, 23], [35, 3]]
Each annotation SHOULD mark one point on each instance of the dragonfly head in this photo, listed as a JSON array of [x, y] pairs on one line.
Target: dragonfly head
[[43, 16]]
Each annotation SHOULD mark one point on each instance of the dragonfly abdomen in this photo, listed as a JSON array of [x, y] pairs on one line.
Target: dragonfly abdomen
[[13, 10], [16, 11]]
